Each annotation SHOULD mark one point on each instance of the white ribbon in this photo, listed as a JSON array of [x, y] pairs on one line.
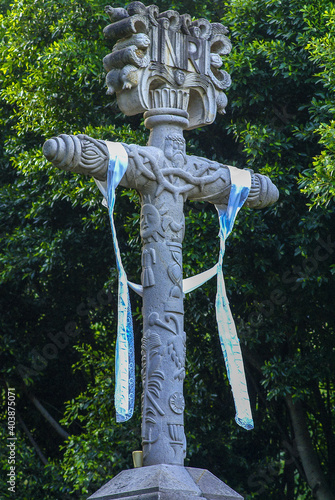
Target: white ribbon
[[124, 362], [230, 345], [124, 396]]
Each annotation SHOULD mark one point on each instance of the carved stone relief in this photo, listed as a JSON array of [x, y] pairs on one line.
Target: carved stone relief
[[150, 223], [152, 375], [177, 351], [175, 271], [163, 352], [177, 436], [178, 177], [155, 50], [177, 403], [175, 150], [148, 259], [173, 327]]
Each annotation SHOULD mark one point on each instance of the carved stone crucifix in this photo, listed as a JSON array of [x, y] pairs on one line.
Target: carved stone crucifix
[[166, 66]]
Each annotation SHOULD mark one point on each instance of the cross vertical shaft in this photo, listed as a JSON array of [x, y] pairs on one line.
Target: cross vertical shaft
[[164, 339]]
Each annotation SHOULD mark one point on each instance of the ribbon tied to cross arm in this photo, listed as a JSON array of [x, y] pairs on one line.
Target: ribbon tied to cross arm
[[124, 397], [124, 357], [230, 345]]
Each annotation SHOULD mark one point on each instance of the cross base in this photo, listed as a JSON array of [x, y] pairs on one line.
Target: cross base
[[165, 482]]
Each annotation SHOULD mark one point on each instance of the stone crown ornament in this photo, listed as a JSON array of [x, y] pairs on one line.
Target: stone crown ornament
[[154, 51]]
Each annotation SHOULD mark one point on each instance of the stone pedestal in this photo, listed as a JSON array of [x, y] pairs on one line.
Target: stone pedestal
[[165, 482]]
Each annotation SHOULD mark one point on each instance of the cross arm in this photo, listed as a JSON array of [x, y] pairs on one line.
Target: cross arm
[[213, 184], [85, 155], [198, 178]]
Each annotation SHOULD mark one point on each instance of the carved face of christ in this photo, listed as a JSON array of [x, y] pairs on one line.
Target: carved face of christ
[[150, 222]]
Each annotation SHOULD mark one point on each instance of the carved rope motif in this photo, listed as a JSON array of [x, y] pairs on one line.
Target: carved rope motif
[[198, 172]]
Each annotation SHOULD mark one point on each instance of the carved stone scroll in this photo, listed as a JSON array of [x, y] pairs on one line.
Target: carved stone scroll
[[167, 50]]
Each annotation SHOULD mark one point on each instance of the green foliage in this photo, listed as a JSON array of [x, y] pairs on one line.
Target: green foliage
[[274, 116], [52, 82], [318, 182], [103, 448]]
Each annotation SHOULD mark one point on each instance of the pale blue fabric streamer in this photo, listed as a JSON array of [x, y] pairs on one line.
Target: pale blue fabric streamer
[[124, 364], [124, 356], [230, 345], [137, 288], [192, 283], [189, 284]]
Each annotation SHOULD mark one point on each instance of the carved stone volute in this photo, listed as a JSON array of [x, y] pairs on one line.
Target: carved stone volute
[[166, 56]]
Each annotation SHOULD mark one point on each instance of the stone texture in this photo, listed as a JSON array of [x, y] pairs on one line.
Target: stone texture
[[165, 482], [166, 49]]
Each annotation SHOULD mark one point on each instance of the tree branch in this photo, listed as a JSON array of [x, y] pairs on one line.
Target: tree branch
[[32, 440], [48, 417], [308, 456]]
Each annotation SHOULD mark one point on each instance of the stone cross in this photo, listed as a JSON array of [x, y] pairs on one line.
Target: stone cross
[[168, 67]]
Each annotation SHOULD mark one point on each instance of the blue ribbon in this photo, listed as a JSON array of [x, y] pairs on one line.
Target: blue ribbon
[[124, 356], [230, 345]]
